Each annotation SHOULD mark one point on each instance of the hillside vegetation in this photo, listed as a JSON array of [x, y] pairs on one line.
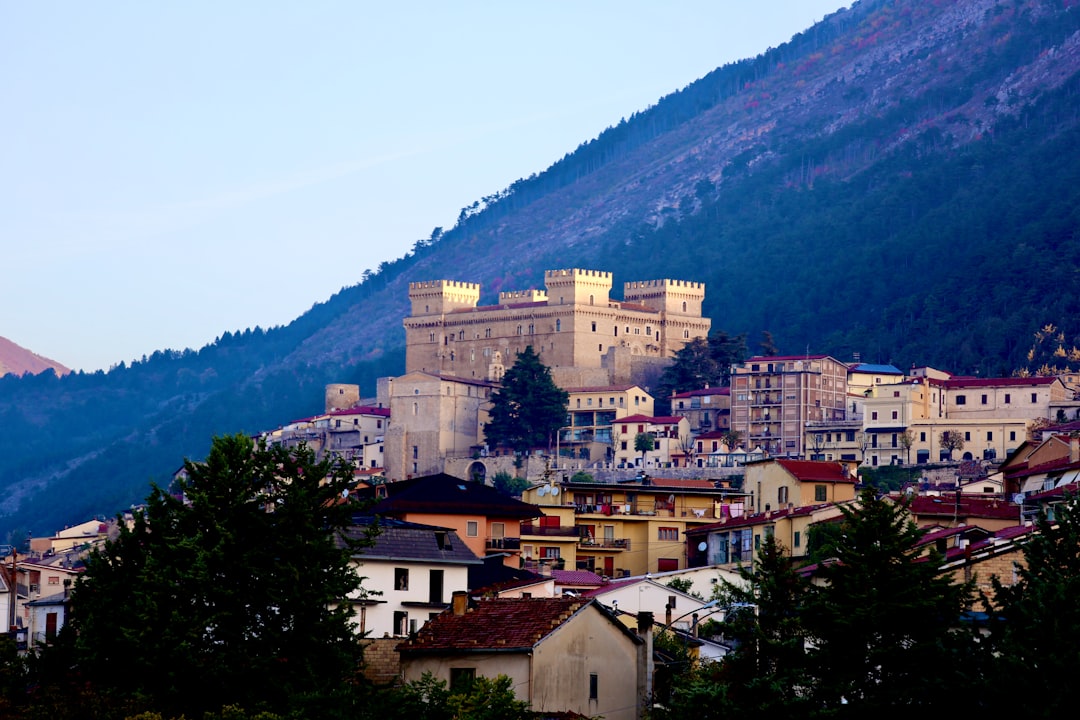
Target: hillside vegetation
[[899, 181]]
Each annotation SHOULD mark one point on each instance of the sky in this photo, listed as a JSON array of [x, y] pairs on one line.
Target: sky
[[172, 171]]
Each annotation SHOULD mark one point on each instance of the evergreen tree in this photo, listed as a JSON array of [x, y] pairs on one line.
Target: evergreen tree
[[529, 408], [885, 625], [767, 674], [229, 593], [702, 363], [1035, 636]]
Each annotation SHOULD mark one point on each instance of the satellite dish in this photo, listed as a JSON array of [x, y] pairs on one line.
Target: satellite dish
[[345, 493], [1018, 498], [702, 547], [542, 491], [554, 490], [671, 498]]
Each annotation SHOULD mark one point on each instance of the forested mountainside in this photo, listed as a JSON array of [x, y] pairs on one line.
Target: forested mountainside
[[899, 180]]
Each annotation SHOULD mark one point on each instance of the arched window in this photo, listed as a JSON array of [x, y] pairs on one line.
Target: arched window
[[684, 307], [558, 325], [591, 300]]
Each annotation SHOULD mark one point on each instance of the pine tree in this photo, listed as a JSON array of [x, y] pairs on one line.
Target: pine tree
[[1035, 636], [885, 626], [229, 593], [528, 409]]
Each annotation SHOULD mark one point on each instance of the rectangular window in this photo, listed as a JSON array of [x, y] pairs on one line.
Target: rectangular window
[[435, 587], [922, 437], [594, 686], [984, 400], [967, 436], [961, 400], [54, 580], [989, 435], [1012, 435], [549, 553], [873, 415], [471, 528], [894, 416], [401, 578], [1008, 398], [821, 493], [401, 622], [782, 495], [1034, 398], [667, 533], [797, 540]]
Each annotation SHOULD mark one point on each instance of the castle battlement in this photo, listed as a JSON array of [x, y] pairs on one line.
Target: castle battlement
[[664, 285], [434, 297], [575, 273], [516, 296]]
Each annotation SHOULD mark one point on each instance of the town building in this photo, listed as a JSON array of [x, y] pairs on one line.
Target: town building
[[409, 571], [735, 541], [707, 409], [487, 521], [773, 399], [624, 529], [670, 436], [778, 483], [592, 412], [562, 655]]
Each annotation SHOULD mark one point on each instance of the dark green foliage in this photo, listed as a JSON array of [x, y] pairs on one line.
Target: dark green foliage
[[702, 363], [528, 409], [430, 699], [236, 592], [884, 623], [1035, 634], [644, 443], [768, 672], [582, 477], [508, 484]]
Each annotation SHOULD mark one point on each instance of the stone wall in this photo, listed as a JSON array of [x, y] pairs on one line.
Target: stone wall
[[382, 664]]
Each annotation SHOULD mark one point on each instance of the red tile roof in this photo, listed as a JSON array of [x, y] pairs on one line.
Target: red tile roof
[[494, 624], [755, 519], [817, 471], [969, 506], [362, 410], [601, 388], [576, 577], [773, 358], [663, 420]]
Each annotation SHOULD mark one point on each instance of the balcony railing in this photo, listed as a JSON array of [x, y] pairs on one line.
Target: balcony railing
[[548, 531], [504, 543], [605, 543]]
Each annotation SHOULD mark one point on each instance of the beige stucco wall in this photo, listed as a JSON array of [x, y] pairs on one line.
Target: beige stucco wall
[[378, 618]]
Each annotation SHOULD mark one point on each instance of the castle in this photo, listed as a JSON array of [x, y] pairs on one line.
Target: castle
[[580, 333]]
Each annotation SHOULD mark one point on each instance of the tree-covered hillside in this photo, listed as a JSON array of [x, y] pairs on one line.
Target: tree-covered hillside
[[899, 181]]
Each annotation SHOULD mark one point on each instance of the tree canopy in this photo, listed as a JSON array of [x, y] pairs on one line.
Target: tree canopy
[[228, 592], [529, 408], [702, 362]]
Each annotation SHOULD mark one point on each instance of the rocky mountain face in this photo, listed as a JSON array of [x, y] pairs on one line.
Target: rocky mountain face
[[904, 168], [17, 360]]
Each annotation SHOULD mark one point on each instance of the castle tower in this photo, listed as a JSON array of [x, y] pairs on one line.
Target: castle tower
[[674, 297], [340, 396], [435, 297], [578, 287]]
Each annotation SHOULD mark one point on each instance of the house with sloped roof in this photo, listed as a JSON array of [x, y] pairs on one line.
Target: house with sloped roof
[[410, 571], [955, 509], [780, 483], [561, 654], [670, 438], [708, 409], [487, 521]]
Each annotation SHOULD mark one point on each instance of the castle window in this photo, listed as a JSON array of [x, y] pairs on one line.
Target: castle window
[[431, 337], [415, 408], [518, 329], [686, 334], [600, 347], [594, 327], [591, 302], [487, 332], [684, 307], [648, 330], [558, 325], [616, 331], [461, 335], [531, 328]]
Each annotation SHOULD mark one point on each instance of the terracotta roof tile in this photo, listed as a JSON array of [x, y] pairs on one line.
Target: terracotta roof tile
[[816, 471], [495, 624]]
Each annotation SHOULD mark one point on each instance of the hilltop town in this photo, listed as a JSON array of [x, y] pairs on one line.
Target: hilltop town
[[628, 523]]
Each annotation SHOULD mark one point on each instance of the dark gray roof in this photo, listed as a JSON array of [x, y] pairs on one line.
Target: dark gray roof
[[398, 540]]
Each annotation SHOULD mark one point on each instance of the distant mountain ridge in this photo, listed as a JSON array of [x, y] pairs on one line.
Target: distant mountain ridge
[[900, 180], [16, 360]]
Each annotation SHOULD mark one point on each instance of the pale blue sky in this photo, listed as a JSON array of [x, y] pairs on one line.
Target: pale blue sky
[[174, 170]]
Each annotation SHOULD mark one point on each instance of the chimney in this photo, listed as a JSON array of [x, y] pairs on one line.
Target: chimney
[[646, 668], [459, 602], [1074, 447]]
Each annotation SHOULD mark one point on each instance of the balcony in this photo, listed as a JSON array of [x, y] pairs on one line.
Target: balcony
[[504, 543], [542, 531], [604, 544]]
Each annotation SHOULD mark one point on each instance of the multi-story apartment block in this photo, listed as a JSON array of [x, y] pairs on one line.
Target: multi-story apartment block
[[591, 413], [670, 435], [622, 529], [707, 409], [584, 336], [904, 421], [773, 398]]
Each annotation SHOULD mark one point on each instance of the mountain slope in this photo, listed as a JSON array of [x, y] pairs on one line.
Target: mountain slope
[[16, 360], [899, 180]]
